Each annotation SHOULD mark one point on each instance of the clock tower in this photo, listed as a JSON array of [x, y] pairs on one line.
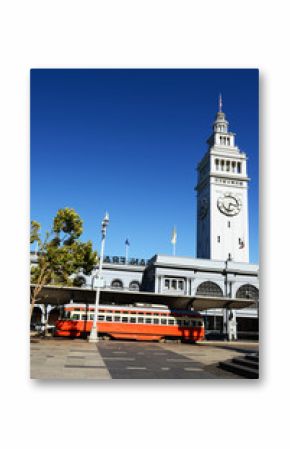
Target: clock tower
[[222, 197]]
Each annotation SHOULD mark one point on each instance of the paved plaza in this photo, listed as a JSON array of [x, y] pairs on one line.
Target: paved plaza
[[77, 359]]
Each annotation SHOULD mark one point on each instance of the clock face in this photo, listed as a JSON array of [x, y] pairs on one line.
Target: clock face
[[229, 204], [203, 207]]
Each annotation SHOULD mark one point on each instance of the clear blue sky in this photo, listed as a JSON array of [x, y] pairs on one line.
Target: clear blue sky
[[128, 141]]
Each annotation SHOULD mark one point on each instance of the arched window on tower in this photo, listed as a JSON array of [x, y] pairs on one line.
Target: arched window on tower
[[217, 164], [239, 167], [222, 165], [228, 165], [233, 167]]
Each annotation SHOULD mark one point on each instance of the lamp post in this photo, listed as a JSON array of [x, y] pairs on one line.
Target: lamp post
[[93, 338], [226, 311]]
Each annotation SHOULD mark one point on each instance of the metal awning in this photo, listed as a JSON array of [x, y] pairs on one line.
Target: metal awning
[[56, 295], [207, 302]]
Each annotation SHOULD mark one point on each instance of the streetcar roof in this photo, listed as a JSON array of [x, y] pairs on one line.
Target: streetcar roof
[[131, 308]]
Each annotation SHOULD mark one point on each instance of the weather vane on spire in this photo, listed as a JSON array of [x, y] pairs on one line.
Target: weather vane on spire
[[220, 103]]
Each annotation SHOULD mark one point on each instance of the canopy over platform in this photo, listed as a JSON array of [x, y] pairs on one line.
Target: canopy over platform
[[56, 295]]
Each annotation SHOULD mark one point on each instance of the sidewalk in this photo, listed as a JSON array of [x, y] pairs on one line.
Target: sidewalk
[[75, 360]]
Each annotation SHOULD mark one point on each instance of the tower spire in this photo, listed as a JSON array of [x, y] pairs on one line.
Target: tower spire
[[220, 124], [220, 102]]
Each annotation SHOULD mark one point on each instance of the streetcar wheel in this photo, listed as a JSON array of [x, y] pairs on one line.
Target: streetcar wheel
[[106, 337]]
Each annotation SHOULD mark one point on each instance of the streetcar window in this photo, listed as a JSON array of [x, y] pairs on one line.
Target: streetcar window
[[155, 321], [101, 317], [200, 323], [132, 319], [163, 321], [170, 321], [108, 318], [186, 323], [148, 320], [92, 317], [75, 316], [117, 311], [117, 318], [141, 320], [124, 319]]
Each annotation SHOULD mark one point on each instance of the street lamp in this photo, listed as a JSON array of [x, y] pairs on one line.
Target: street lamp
[[226, 310], [93, 338]]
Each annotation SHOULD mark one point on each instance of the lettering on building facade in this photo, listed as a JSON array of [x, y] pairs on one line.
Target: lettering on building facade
[[119, 260]]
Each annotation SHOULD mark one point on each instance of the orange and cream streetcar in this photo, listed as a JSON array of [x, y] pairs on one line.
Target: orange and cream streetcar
[[131, 322]]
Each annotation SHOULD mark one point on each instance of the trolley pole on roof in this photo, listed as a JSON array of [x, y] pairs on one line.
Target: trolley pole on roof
[[93, 338]]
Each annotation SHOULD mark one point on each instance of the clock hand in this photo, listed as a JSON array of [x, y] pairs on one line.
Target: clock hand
[[231, 206]]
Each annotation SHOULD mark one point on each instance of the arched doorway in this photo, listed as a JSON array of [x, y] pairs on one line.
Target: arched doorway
[[213, 322], [36, 317], [248, 327]]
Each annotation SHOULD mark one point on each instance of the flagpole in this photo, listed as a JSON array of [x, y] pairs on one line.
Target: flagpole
[[126, 253], [173, 240], [126, 250]]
